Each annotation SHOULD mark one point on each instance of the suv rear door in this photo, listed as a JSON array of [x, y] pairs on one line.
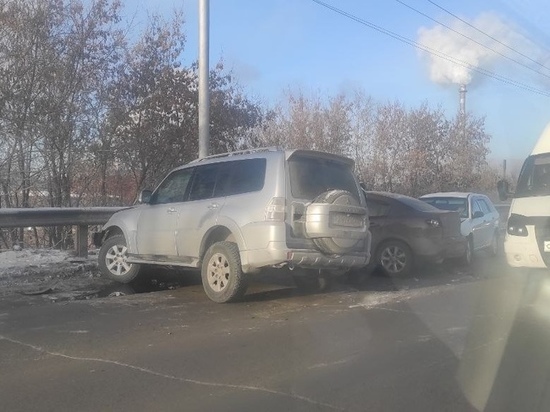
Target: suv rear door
[[326, 204], [200, 211], [230, 188]]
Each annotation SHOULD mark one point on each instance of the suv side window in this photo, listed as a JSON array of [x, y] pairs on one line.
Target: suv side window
[[173, 188], [204, 182], [245, 176]]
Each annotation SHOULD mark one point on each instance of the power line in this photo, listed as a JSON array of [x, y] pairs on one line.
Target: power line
[[487, 34], [475, 41], [436, 53]]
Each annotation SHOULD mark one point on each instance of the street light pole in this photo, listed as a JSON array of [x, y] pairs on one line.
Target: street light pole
[[204, 94]]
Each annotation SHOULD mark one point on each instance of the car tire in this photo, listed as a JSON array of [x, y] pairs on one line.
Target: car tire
[[395, 258], [311, 281], [112, 260], [222, 276], [468, 256], [493, 248]]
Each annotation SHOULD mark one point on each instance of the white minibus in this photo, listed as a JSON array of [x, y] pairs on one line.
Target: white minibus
[[527, 241]]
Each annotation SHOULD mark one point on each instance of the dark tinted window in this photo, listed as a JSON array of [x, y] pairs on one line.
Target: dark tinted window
[[534, 178], [204, 182], [377, 208], [241, 176], [173, 188], [309, 177]]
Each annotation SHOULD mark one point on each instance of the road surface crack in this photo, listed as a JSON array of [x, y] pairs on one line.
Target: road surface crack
[[173, 377]]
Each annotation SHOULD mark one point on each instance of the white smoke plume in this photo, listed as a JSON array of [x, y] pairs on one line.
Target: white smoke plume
[[468, 52]]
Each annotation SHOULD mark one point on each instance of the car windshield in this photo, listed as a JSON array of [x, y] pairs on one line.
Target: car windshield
[[534, 178], [455, 204]]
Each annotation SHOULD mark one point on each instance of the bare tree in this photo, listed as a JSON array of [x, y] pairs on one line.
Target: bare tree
[[307, 122], [411, 151]]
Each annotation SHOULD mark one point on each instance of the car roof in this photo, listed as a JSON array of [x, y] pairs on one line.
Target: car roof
[[461, 195], [267, 152], [408, 201], [390, 195], [396, 196]]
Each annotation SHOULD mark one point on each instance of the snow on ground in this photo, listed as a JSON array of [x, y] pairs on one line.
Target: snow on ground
[[12, 259], [52, 274]]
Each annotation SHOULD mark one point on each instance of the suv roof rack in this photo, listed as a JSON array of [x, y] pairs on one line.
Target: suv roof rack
[[239, 152]]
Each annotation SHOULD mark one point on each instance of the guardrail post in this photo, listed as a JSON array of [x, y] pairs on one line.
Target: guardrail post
[[82, 241]]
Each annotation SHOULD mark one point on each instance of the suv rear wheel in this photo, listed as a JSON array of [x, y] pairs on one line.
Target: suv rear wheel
[[222, 277]]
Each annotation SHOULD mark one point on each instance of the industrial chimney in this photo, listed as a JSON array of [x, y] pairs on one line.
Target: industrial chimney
[[462, 94]]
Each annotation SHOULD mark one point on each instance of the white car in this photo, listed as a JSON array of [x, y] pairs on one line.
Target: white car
[[478, 216]]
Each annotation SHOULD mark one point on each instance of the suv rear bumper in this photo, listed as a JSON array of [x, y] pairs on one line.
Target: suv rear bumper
[[278, 254]]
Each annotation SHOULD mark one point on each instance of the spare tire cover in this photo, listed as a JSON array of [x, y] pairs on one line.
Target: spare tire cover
[[347, 236]]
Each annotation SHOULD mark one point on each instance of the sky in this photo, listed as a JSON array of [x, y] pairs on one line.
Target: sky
[[275, 45]]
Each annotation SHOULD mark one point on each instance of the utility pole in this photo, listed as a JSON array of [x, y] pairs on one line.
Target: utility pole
[[204, 92]]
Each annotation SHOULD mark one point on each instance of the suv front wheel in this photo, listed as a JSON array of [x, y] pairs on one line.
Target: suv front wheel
[[222, 277], [112, 260]]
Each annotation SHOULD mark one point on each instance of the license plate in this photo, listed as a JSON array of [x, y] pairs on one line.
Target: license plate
[[547, 245], [350, 220]]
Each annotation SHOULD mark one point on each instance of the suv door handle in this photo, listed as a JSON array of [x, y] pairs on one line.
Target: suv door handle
[[213, 206], [171, 210]]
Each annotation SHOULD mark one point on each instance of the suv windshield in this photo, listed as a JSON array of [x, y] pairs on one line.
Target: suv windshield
[[455, 204], [534, 178], [309, 177]]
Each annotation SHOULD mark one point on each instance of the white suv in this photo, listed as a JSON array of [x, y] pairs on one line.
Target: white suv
[[236, 213], [478, 216]]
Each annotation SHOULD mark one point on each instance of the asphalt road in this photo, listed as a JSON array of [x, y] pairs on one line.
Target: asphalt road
[[445, 339]]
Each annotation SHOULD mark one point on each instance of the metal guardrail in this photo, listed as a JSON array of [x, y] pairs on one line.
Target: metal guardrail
[[81, 217]]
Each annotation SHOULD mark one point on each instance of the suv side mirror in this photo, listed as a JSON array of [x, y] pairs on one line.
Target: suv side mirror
[[478, 214], [145, 196], [503, 189]]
